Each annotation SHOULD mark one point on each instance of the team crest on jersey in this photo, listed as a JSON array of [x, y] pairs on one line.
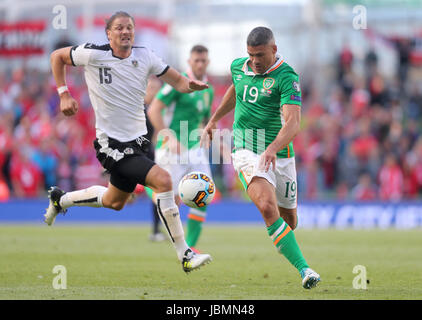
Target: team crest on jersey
[[268, 83], [135, 63], [296, 86]]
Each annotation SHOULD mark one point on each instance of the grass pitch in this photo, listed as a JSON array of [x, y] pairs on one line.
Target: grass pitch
[[118, 262]]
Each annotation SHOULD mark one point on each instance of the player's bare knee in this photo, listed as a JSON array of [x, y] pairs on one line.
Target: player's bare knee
[[113, 204], [117, 205], [266, 208], [163, 182]]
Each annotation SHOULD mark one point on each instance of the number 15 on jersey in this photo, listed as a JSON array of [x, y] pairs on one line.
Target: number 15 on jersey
[[105, 75]]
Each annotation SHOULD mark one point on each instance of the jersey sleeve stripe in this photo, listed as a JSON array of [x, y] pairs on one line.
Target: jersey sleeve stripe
[[164, 71], [71, 57]]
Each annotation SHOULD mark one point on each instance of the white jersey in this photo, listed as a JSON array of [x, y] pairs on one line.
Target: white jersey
[[117, 87]]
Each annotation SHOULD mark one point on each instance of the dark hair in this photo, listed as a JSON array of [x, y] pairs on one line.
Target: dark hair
[[260, 36], [116, 15], [199, 48]]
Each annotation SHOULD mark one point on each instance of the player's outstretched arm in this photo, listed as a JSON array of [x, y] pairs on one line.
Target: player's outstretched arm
[[286, 134], [59, 59], [181, 83], [227, 104]]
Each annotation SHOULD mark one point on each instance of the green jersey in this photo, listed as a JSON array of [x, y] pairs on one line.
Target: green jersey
[[258, 115], [185, 112]]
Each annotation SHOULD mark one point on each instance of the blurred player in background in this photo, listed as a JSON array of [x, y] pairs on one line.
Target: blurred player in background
[[266, 97], [116, 75], [184, 111]]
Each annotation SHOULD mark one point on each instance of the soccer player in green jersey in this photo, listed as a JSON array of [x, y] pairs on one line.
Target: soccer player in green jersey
[[266, 97], [178, 117]]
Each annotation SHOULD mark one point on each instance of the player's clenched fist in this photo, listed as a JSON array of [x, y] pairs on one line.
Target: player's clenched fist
[[68, 105]]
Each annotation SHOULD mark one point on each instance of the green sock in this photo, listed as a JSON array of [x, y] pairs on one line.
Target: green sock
[[285, 241], [194, 225], [149, 193]]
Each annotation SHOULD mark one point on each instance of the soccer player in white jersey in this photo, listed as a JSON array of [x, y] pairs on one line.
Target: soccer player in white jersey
[[183, 114], [116, 75]]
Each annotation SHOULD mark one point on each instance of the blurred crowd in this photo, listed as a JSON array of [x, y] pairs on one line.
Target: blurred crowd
[[360, 140], [363, 141], [39, 146]]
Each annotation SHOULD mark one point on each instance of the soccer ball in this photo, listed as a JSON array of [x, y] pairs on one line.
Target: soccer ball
[[196, 189]]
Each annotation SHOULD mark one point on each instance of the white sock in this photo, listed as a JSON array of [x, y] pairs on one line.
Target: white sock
[[170, 217], [89, 197]]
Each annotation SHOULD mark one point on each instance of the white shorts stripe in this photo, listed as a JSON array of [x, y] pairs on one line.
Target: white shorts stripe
[[113, 153]]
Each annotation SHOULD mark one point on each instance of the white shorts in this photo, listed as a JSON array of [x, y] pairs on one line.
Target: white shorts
[[195, 159], [283, 178]]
